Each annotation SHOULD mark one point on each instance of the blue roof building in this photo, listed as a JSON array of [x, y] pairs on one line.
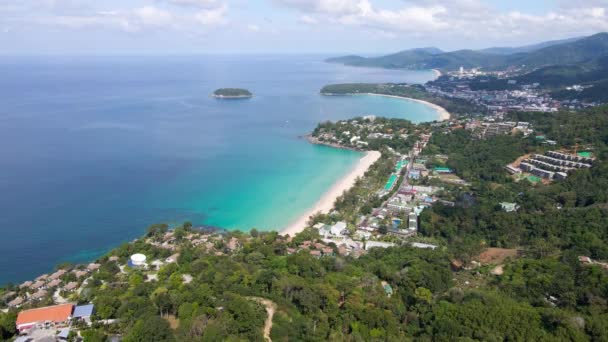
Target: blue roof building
[[83, 311]]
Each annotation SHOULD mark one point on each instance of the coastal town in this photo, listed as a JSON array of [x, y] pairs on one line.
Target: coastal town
[[474, 86]]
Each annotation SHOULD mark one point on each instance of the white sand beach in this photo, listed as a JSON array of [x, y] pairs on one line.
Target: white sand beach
[[326, 203], [443, 113], [437, 72]]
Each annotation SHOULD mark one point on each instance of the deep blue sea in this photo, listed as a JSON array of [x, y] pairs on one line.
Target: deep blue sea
[[94, 149]]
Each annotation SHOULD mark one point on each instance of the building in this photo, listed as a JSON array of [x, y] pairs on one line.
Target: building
[[93, 267], [513, 170], [423, 245], [378, 244], [71, 286], [15, 303], [172, 258], [83, 312], [57, 314], [57, 274], [339, 229], [509, 207], [54, 283]]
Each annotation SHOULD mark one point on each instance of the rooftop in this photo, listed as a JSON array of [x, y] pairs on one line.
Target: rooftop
[[56, 313], [83, 311]]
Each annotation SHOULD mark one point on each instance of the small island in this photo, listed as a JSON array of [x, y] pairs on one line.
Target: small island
[[232, 93]]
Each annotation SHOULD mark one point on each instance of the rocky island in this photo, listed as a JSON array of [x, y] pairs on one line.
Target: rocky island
[[232, 93]]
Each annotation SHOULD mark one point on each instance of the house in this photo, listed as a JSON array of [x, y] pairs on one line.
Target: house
[[54, 283], [57, 275], [80, 274], [39, 295], [57, 314], [509, 207], [93, 267], [422, 245], [63, 334], [324, 230], [328, 251], [339, 229], [26, 284], [71, 286], [15, 303], [42, 277], [83, 312], [172, 258], [315, 253], [373, 244], [37, 285]]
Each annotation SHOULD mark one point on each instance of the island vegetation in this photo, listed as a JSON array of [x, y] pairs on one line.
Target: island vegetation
[[232, 93]]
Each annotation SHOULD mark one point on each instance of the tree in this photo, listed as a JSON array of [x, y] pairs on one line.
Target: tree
[[150, 329]]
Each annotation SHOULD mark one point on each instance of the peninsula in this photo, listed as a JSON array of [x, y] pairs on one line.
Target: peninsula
[[232, 93]]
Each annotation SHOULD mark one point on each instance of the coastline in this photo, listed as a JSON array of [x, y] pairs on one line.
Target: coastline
[[437, 72], [326, 202], [443, 113]]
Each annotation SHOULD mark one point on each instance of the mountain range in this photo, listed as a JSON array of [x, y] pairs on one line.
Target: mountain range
[[531, 57]]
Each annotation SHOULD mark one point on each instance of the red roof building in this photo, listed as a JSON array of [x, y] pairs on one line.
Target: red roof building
[[56, 314]]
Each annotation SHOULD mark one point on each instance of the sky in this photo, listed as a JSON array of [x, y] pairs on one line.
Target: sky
[[287, 26]]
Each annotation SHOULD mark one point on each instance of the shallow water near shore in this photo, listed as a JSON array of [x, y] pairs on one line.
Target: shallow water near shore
[[98, 148]]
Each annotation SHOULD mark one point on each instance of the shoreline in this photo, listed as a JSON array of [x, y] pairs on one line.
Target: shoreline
[[327, 200], [437, 72], [443, 113]]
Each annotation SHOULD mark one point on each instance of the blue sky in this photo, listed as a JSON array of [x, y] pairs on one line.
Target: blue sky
[[287, 26]]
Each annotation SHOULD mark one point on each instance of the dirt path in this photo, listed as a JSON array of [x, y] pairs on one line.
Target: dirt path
[[270, 309]]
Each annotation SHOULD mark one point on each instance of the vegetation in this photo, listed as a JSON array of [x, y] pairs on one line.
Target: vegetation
[[558, 53], [545, 294], [232, 92]]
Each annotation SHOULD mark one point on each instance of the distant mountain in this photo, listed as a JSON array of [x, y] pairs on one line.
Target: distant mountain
[[403, 59], [568, 51], [527, 48], [579, 51]]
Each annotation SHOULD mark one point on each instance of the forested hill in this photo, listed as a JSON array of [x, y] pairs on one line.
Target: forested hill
[[558, 53]]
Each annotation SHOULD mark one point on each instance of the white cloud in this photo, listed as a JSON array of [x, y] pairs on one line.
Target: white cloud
[[153, 16], [196, 3], [254, 28], [212, 17], [339, 7], [306, 19], [462, 19]]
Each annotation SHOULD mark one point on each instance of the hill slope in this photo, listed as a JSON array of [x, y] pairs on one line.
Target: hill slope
[[569, 51]]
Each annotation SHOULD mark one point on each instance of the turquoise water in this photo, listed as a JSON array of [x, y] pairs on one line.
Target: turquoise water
[[98, 148]]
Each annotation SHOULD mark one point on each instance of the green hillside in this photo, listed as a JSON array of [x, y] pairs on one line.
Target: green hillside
[[561, 53]]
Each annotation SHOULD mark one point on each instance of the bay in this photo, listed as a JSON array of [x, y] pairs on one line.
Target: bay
[[94, 149]]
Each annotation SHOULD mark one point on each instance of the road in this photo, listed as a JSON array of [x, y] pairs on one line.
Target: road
[[270, 310]]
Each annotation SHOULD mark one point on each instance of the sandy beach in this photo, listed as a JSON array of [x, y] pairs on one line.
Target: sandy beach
[[437, 72], [443, 113], [326, 203]]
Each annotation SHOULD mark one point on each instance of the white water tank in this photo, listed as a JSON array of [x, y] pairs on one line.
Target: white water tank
[[138, 259]]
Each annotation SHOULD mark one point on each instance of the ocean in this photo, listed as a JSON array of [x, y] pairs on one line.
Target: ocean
[[95, 149]]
